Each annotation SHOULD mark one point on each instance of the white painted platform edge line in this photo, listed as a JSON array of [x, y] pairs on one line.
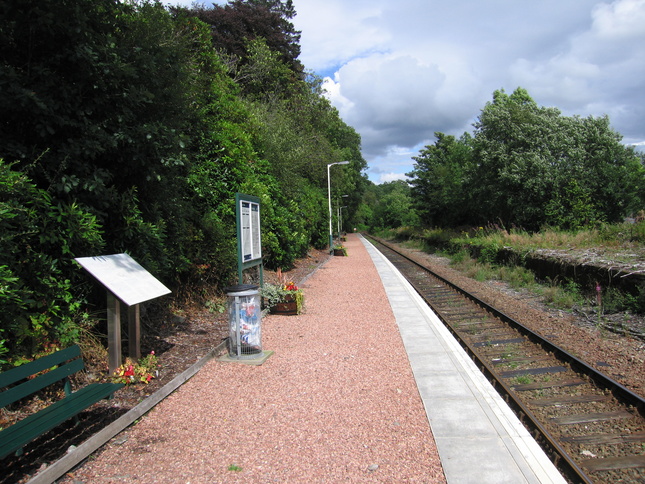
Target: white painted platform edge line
[[532, 450]]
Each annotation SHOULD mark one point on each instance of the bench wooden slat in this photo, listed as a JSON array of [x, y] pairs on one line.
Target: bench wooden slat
[[22, 432], [14, 375], [32, 386], [64, 363]]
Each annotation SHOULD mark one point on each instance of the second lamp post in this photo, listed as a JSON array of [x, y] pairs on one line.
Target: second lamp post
[[331, 237]]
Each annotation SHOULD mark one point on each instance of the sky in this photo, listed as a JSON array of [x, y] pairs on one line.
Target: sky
[[399, 71]]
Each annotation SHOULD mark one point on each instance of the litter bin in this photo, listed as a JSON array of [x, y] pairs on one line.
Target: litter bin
[[245, 321]]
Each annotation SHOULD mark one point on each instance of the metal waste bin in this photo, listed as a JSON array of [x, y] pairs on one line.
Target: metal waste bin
[[245, 321]]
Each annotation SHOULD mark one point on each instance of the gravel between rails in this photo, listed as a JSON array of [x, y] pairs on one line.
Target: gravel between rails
[[336, 402]]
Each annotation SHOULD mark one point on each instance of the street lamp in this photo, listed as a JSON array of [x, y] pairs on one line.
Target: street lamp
[[331, 237], [340, 217], [338, 213]]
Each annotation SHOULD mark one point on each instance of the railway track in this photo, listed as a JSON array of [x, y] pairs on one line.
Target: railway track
[[592, 427]]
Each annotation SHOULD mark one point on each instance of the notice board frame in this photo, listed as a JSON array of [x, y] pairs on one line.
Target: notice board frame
[[248, 209]]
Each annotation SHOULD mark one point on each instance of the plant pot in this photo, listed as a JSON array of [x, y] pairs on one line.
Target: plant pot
[[288, 307], [340, 252]]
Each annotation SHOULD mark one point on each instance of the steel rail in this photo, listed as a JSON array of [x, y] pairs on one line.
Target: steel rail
[[562, 458]]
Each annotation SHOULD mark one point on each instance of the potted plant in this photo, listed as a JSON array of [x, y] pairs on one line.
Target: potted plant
[[285, 299], [340, 250]]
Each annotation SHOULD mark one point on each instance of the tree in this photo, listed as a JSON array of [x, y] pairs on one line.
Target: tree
[[394, 206], [438, 180], [240, 21], [526, 156], [514, 155]]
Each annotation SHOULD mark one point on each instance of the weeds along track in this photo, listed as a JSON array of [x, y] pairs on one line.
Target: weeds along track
[[592, 427]]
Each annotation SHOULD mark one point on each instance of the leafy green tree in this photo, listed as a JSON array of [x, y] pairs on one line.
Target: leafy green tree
[[394, 207], [95, 108], [438, 181], [512, 181], [363, 218], [297, 131], [526, 156]]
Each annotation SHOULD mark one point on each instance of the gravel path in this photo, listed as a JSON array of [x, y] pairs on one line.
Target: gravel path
[[336, 402]]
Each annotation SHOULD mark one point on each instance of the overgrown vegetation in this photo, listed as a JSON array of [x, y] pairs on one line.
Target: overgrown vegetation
[[476, 253], [129, 127], [528, 166], [524, 166]]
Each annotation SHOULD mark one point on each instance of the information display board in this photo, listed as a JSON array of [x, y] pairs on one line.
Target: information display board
[[124, 277], [126, 281], [250, 230], [249, 237]]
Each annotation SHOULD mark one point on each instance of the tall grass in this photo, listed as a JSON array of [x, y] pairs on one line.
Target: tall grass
[[485, 243], [608, 236]]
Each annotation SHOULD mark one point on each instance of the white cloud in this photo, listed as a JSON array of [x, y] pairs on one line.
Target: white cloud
[[624, 19], [399, 71], [346, 32], [390, 177]]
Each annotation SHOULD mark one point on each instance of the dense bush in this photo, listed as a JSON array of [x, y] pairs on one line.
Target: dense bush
[[39, 294], [528, 166], [127, 127]]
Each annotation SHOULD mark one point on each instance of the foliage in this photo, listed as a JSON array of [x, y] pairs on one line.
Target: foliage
[[142, 371], [387, 206], [439, 176], [528, 166], [239, 21], [279, 293], [38, 240], [128, 127], [527, 157], [340, 248]]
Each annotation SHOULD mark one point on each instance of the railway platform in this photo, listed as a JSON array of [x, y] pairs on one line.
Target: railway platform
[[478, 437], [346, 396]]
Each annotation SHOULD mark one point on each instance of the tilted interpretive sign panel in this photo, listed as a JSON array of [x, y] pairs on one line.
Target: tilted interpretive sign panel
[[124, 277]]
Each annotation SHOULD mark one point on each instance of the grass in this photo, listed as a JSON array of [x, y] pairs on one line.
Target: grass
[[618, 242], [609, 237], [522, 380], [519, 278]]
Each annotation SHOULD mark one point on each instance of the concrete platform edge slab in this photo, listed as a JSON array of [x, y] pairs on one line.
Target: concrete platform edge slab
[[505, 451]]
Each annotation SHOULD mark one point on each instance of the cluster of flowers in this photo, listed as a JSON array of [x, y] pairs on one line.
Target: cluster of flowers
[[290, 286], [142, 372]]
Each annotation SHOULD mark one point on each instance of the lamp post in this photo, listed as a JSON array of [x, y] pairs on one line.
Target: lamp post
[[331, 237], [338, 213], [340, 217]]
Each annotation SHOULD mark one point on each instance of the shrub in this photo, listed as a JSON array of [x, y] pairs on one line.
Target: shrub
[[39, 292]]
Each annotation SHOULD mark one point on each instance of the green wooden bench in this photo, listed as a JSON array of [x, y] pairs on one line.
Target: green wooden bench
[[20, 382]]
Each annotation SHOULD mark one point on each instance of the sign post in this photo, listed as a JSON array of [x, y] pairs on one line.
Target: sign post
[[249, 238], [126, 281]]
